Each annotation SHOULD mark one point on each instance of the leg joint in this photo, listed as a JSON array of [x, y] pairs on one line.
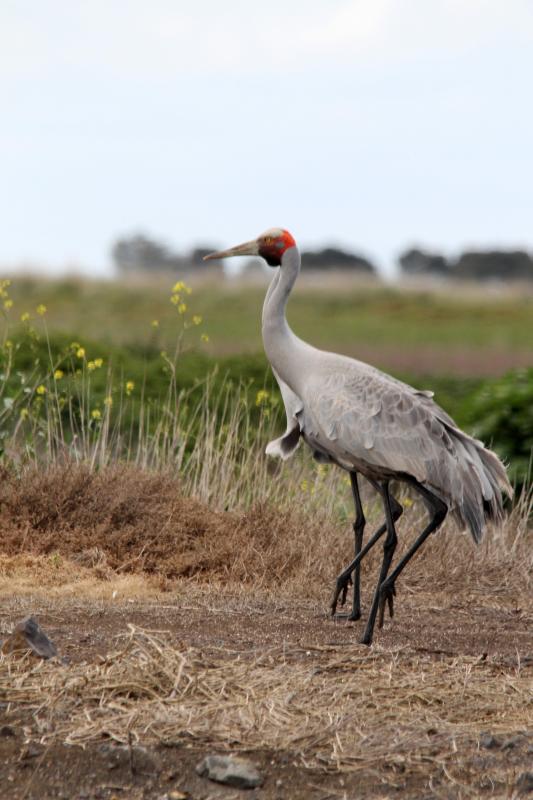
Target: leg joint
[[396, 509], [440, 512], [359, 523]]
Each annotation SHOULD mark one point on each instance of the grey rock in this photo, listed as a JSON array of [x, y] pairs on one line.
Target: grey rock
[[232, 771], [28, 635], [135, 759]]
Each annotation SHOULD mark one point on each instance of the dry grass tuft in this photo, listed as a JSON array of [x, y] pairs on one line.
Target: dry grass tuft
[[387, 711], [123, 521], [126, 520]]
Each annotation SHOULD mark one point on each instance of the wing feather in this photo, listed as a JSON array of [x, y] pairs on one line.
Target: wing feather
[[363, 417]]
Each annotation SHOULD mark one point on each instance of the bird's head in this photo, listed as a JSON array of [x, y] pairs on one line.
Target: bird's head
[[270, 245]]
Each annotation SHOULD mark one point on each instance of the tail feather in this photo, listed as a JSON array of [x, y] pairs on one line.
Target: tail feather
[[483, 478]]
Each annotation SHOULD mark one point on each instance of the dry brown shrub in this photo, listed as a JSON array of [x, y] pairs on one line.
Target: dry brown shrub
[[128, 520], [132, 521]]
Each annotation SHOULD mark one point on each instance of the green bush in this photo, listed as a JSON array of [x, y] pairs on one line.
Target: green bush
[[80, 385], [501, 414]]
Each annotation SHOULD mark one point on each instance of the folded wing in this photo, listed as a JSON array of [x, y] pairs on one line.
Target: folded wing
[[366, 417]]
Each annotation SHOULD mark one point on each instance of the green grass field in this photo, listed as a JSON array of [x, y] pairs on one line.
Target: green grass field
[[454, 342], [349, 318]]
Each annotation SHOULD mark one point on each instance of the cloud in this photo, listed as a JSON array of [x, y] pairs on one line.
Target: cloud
[[132, 37]]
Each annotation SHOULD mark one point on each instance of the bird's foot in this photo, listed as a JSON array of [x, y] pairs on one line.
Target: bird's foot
[[341, 591], [353, 616], [387, 593]]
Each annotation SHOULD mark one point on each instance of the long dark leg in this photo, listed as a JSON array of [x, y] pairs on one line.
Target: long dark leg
[[358, 530], [344, 579], [438, 510], [389, 547]]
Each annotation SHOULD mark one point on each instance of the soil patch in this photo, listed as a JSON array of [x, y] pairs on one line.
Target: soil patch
[[443, 675]]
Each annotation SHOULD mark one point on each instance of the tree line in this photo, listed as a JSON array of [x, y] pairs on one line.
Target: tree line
[[471, 265], [140, 253]]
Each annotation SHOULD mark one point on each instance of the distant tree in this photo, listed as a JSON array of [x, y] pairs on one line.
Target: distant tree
[[420, 262], [333, 258], [139, 253], [504, 265]]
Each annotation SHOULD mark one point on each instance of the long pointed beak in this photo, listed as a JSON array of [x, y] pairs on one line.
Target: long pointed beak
[[246, 249]]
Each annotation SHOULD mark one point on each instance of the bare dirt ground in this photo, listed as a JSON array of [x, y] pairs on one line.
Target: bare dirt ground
[[184, 631], [486, 636]]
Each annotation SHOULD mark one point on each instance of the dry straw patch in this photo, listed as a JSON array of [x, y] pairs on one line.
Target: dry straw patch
[[47, 577], [387, 712]]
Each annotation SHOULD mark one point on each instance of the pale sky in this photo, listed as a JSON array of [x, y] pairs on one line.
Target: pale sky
[[370, 124]]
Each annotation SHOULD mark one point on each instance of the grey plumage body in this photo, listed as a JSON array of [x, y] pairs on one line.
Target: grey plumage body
[[368, 423]]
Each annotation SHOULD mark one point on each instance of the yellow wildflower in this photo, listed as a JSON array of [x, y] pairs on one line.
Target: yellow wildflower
[[41, 310], [8, 304], [96, 413], [24, 413], [41, 389], [108, 401], [24, 317], [187, 290], [9, 344], [155, 323], [197, 319], [178, 287], [261, 397], [130, 386], [182, 308], [80, 352], [175, 299], [204, 337], [58, 374], [304, 486]]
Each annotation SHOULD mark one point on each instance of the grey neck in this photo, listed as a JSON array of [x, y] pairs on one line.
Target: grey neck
[[280, 289], [287, 353]]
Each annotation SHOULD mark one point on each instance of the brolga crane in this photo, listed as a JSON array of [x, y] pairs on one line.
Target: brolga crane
[[368, 423]]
